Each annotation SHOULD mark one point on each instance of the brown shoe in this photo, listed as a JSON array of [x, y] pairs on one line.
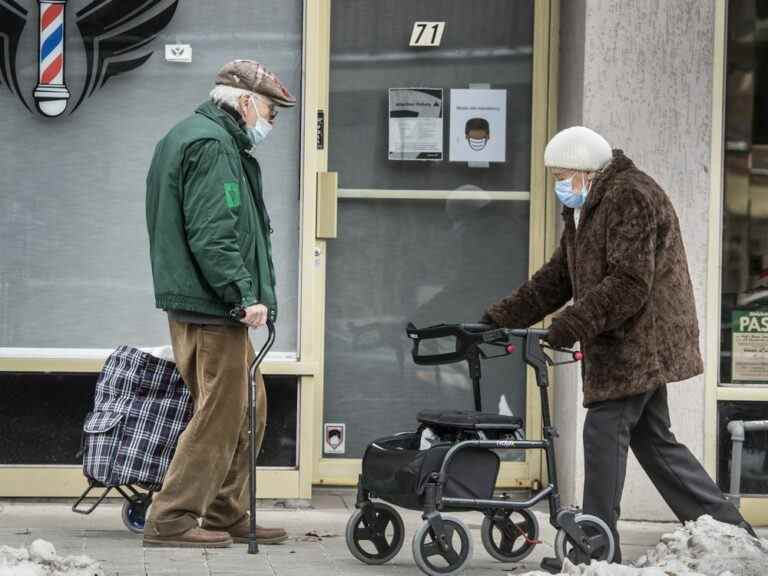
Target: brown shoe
[[192, 538], [241, 530]]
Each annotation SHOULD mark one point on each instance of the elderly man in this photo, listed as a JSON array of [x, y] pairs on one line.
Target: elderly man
[[622, 261], [210, 251]]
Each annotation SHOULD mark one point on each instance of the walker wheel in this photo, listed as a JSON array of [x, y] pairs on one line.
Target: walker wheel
[[434, 560], [599, 536], [135, 512], [375, 533], [510, 535]]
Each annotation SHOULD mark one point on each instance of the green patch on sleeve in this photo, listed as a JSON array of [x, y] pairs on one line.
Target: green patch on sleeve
[[232, 194]]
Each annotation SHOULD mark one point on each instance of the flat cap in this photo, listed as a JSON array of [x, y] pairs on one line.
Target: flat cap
[[252, 76]]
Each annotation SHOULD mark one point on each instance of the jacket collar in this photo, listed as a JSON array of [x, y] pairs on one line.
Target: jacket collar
[[618, 164], [229, 121]]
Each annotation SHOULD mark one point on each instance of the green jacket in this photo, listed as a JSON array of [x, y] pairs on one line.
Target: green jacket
[[209, 231]]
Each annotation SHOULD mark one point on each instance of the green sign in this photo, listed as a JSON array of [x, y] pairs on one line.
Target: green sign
[[750, 345]]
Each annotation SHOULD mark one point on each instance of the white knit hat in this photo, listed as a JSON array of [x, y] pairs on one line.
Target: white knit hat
[[578, 148]]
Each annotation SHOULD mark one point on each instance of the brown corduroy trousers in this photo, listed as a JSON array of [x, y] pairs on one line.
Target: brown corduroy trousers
[[208, 477]]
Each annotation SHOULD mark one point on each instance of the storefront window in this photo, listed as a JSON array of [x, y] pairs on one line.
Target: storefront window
[[744, 320], [744, 342], [74, 258], [42, 415]]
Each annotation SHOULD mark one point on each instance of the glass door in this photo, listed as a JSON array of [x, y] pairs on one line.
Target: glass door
[[430, 124]]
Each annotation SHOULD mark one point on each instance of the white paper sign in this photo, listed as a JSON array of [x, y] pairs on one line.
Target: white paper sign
[[478, 125], [415, 124]]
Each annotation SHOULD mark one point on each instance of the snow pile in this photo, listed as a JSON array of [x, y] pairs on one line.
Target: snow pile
[[705, 547], [40, 559], [711, 548]]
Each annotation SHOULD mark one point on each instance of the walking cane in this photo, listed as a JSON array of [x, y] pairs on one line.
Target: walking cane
[[253, 547]]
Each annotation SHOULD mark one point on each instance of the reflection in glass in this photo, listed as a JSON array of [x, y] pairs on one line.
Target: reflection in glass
[[744, 336], [74, 259], [400, 260]]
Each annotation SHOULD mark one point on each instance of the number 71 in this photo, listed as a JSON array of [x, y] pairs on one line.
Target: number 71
[[427, 33]]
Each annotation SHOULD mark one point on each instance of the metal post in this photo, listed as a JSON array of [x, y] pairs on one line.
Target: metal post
[[738, 430]]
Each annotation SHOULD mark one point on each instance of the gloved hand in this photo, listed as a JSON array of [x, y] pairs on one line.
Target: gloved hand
[[560, 334]]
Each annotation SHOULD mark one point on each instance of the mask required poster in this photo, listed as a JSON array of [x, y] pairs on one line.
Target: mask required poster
[[416, 124], [478, 125]]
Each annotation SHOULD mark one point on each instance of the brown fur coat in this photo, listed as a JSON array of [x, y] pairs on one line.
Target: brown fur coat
[[626, 270]]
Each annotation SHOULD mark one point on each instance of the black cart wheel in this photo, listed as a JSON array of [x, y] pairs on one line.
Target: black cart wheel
[[599, 536], [375, 533], [434, 559], [510, 535], [135, 513]]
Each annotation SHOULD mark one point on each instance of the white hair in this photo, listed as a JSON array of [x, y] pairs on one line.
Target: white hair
[[228, 95]]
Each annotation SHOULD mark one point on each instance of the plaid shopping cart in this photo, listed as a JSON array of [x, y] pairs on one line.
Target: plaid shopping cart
[[140, 409]]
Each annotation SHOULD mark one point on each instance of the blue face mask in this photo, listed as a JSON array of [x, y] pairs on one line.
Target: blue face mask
[[259, 132], [566, 195]]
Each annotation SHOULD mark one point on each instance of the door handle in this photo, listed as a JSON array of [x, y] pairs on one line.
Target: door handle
[[327, 204]]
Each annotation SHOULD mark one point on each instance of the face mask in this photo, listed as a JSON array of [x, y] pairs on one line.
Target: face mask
[[477, 144], [259, 132], [566, 195]]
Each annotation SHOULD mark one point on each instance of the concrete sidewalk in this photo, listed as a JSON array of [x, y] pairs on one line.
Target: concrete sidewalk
[[103, 537]]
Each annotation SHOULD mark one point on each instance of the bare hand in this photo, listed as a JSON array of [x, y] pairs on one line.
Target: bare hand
[[255, 316]]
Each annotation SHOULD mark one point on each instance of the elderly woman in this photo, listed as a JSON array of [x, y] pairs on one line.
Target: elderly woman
[[210, 252], [622, 262]]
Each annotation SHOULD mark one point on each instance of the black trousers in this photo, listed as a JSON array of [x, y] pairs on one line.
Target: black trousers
[[642, 423]]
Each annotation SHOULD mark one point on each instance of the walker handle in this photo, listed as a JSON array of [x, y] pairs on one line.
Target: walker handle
[[466, 341]]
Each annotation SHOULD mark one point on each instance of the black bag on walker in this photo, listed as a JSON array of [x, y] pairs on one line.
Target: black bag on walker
[[141, 408], [395, 470]]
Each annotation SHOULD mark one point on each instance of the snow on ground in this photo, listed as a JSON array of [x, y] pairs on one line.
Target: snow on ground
[[705, 547], [40, 559]]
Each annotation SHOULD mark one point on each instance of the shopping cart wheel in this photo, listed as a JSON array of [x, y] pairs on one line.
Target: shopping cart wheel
[[599, 535], [436, 561], [510, 535], [135, 512], [375, 533]]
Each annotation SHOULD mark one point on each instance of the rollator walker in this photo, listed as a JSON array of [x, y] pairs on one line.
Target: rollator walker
[[458, 472]]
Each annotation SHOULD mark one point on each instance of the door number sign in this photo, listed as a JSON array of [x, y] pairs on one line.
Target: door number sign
[[427, 34]]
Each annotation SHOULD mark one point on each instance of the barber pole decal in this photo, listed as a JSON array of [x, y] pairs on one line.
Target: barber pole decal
[[115, 37], [51, 94]]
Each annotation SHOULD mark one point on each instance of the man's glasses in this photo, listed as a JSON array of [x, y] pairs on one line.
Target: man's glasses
[[272, 108]]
